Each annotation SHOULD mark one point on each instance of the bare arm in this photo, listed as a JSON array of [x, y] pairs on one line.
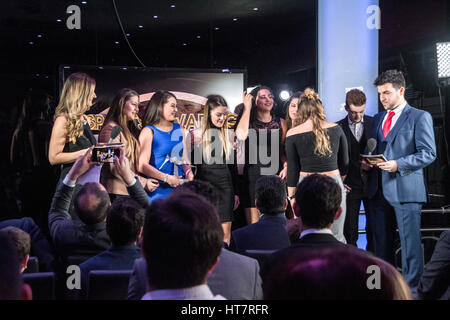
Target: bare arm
[[244, 122], [57, 142]]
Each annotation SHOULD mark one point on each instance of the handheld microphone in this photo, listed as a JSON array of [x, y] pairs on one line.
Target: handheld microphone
[[114, 133], [371, 145]]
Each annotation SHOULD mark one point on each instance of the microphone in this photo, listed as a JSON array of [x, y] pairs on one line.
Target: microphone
[[114, 133], [371, 145]]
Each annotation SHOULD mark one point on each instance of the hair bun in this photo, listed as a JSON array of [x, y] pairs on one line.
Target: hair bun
[[310, 94]]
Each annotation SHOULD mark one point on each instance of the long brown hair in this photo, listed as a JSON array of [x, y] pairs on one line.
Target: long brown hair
[[288, 119], [310, 108], [74, 102], [213, 102], [128, 127]]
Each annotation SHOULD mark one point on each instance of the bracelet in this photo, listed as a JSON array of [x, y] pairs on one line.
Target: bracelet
[[166, 177]]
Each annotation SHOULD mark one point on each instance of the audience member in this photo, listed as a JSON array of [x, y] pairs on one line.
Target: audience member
[[269, 233], [11, 284], [182, 241], [235, 277], [435, 280], [317, 204], [40, 247], [293, 228], [123, 225], [87, 236], [21, 241], [341, 273]]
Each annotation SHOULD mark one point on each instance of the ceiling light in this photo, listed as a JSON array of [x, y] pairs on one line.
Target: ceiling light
[[83, 2], [235, 19], [31, 42], [198, 37], [255, 9], [39, 35], [184, 44], [155, 17], [172, 6], [128, 34], [140, 26], [116, 42], [216, 28], [58, 20]]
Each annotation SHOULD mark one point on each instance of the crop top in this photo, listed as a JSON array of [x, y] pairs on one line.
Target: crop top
[[301, 156]]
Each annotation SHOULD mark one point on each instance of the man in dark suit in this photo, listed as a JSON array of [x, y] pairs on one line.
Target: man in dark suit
[[356, 127], [269, 233], [435, 281], [87, 236], [317, 204], [123, 225], [397, 191], [235, 277]]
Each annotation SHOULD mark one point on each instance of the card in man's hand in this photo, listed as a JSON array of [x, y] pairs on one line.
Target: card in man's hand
[[374, 159]]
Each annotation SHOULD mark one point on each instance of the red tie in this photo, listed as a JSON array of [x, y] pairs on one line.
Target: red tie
[[387, 124]]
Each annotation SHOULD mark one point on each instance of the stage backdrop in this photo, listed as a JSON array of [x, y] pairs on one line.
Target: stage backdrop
[[190, 86]]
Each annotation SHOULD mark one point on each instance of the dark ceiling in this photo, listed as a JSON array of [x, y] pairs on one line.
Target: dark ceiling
[[276, 43]]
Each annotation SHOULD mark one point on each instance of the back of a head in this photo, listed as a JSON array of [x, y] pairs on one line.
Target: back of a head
[[202, 188], [318, 198], [91, 203], [10, 275], [124, 221], [20, 239], [338, 273], [182, 240], [270, 194]]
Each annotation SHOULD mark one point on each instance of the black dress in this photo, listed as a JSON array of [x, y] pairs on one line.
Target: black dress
[[253, 150], [223, 177], [83, 142]]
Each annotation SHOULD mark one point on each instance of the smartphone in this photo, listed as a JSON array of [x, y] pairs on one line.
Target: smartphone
[[105, 154], [250, 89]]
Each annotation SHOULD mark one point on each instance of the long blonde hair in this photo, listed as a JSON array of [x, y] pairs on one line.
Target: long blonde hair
[[128, 127], [213, 102], [74, 102], [310, 108]]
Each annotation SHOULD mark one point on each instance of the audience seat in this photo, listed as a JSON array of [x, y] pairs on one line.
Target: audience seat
[[42, 285], [108, 284], [260, 255], [32, 265]]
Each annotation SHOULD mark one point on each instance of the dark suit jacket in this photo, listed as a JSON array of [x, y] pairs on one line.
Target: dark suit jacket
[[115, 258], [236, 277], [367, 123], [312, 240], [269, 233], [435, 281], [74, 237], [40, 247]]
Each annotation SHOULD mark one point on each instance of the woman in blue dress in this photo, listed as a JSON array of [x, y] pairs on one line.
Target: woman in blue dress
[[161, 142]]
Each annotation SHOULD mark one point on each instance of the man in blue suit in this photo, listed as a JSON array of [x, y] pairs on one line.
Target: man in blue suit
[[397, 190]]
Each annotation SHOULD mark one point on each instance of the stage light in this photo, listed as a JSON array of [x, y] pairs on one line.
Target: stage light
[[155, 17], [172, 6], [116, 42], [235, 19], [140, 26], [128, 34], [31, 42], [58, 20], [184, 44], [39, 36], [443, 59], [216, 28], [84, 2], [255, 9], [285, 95], [198, 37]]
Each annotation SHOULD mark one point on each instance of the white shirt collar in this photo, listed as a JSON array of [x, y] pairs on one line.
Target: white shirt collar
[[399, 109], [200, 292], [350, 122], [312, 230]]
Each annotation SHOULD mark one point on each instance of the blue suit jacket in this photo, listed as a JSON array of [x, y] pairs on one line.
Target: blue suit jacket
[[411, 143]]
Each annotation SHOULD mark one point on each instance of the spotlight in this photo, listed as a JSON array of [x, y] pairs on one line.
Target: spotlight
[[235, 19], [255, 9], [140, 26], [58, 20], [155, 17], [198, 37], [443, 59], [39, 35], [285, 95], [216, 28], [172, 6], [116, 42]]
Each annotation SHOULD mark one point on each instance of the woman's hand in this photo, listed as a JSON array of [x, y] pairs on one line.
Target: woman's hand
[[283, 173], [173, 181], [248, 99], [189, 175], [151, 185], [236, 202]]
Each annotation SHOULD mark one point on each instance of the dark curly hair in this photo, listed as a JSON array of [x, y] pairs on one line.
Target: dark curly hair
[[391, 76]]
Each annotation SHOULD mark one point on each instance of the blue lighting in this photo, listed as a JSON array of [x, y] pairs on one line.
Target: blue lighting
[[39, 35], [58, 20], [347, 55], [140, 26], [172, 6]]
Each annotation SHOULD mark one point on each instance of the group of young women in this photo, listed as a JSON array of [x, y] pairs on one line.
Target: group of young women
[[161, 152]]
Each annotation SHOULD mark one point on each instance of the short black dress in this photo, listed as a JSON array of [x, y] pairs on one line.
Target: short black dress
[[253, 149], [223, 177]]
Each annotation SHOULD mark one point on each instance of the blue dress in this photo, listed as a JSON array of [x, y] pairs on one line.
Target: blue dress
[[165, 147]]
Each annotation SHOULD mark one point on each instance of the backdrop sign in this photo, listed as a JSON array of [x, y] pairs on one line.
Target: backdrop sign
[[190, 86]]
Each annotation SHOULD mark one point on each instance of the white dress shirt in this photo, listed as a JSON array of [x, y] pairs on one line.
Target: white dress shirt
[[312, 230], [356, 128], [201, 292], [398, 111]]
